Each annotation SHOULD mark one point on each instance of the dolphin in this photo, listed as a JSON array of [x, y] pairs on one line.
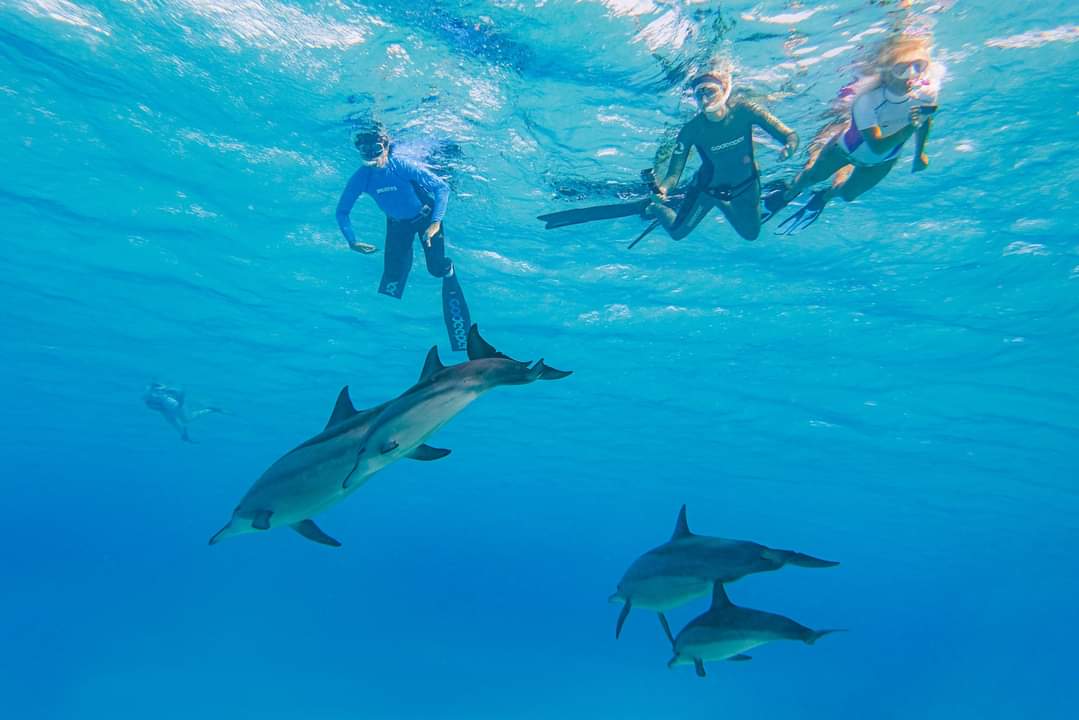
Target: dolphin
[[726, 631], [686, 567], [355, 444], [169, 401]]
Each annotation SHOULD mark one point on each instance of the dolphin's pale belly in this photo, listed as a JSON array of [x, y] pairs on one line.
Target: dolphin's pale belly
[[710, 644], [405, 425], [304, 482], [665, 592]]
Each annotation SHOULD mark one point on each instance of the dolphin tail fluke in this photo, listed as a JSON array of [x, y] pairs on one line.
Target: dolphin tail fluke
[[314, 533], [626, 607], [540, 371], [816, 635]]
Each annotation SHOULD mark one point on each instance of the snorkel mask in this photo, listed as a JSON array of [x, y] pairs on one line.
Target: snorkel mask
[[711, 90], [910, 69], [371, 144]]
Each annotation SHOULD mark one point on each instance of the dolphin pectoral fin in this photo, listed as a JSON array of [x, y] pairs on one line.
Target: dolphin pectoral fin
[[389, 447], [698, 665], [313, 532], [541, 371], [622, 617], [739, 658], [666, 627], [426, 452], [261, 520], [217, 535]]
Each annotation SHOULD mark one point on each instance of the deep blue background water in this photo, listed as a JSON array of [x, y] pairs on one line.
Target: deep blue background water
[[895, 388]]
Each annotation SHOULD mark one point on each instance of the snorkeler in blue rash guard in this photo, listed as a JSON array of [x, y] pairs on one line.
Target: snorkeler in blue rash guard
[[414, 201]]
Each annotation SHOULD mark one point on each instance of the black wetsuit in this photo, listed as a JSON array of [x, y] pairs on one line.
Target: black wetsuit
[[728, 168]]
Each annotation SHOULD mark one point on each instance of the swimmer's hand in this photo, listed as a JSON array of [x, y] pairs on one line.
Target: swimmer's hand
[[660, 194], [921, 162], [789, 149], [362, 248], [431, 231]]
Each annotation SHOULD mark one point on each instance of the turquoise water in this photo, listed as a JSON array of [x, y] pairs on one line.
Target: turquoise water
[[894, 388]]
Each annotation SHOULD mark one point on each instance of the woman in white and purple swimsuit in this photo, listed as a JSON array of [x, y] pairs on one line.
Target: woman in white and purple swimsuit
[[860, 152]]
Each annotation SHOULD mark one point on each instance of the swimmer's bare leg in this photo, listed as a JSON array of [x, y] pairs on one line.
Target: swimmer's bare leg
[[830, 160], [863, 179]]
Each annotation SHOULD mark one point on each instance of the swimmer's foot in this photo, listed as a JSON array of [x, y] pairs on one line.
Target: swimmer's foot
[[805, 216], [774, 198]]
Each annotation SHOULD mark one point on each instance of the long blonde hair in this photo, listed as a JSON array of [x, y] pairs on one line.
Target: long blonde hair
[[896, 47]]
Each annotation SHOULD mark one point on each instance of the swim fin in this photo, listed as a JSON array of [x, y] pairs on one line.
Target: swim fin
[[455, 311], [772, 199], [577, 216], [650, 228], [805, 216]]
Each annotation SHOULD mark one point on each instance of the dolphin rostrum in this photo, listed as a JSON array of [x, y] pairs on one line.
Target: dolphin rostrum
[[726, 631], [687, 566], [356, 444]]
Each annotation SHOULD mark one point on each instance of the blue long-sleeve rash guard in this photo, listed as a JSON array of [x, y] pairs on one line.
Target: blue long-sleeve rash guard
[[393, 188]]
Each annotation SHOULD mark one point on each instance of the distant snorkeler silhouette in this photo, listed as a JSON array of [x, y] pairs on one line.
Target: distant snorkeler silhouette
[[895, 101], [722, 134], [414, 201], [170, 402]]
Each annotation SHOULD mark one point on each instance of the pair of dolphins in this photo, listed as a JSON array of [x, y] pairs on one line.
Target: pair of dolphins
[[355, 444], [689, 566]]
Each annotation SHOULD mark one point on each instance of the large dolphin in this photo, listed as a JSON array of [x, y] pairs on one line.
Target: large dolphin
[[688, 565], [726, 631], [170, 402], [355, 444]]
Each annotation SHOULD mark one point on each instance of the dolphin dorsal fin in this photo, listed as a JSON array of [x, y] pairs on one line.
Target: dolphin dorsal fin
[[431, 365], [342, 409], [719, 597], [478, 348], [681, 527]]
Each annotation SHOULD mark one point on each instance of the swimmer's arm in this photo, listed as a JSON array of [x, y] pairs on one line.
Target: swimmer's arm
[[677, 163], [774, 127], [921, 137], [881, 145], [352, 191], [434, 185]]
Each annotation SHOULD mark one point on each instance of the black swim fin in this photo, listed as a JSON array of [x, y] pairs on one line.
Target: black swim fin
[[772, 199], [455, 311], [576, 216]]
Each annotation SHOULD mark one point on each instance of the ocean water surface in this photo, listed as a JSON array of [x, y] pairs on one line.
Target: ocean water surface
[[895, 388]]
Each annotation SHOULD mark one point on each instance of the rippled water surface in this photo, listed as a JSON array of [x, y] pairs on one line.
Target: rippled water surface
[[896, 387]]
